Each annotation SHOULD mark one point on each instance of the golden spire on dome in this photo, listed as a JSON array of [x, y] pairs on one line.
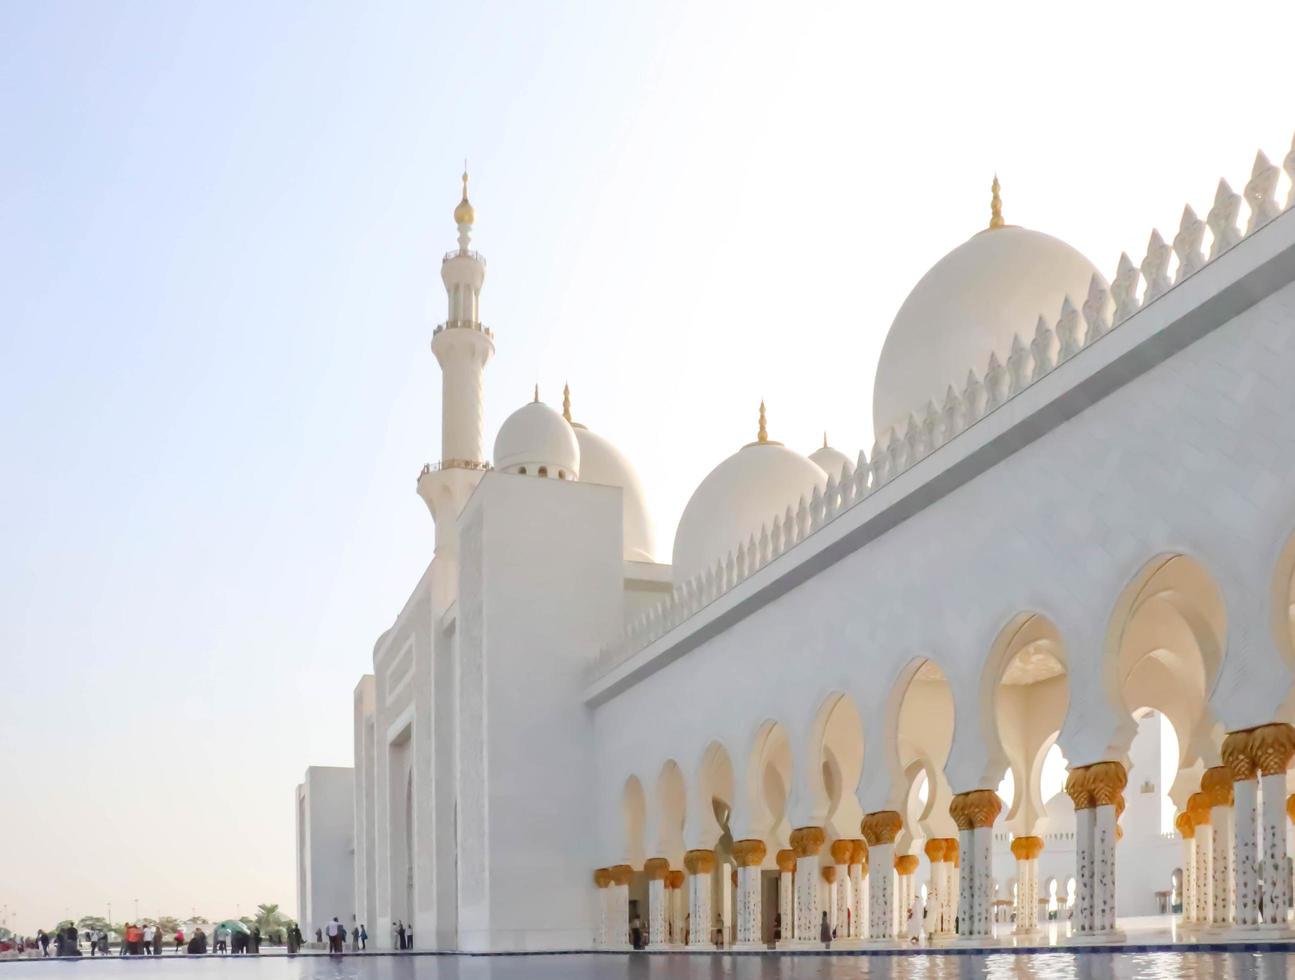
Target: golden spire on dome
[[762, 434], [537, 391], [995, 205], [824, 438], [464, 213], [566, 402]]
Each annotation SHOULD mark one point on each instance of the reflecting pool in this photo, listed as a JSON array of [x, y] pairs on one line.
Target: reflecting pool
[[1268, 965]]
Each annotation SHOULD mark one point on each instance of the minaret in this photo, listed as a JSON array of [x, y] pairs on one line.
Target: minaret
[[462, 347]]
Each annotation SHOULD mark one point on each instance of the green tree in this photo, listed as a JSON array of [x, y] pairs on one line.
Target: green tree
[[269, 918], [92, 923]]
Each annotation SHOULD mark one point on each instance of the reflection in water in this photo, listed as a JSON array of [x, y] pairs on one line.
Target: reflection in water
[[979, 966]]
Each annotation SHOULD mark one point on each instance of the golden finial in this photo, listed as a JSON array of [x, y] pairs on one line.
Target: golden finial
[[566, 402], [763, 435], [464, 213], [995, 205], [824, 438], [537, 391]]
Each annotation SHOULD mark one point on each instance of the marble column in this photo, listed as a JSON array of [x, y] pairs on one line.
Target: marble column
[[786, 859], [1079, 789], [936, 897], [858, 902], [618, 929], [701, 868], [657, 870], [1198, 808], [749, 855], [807, 842], [831, 881], [839, 890], [1107, 781], [905, 873], [1217, 786], [965, 916], [880, 830], [1187, 831], [602, 885], [1026, 850], [1271, 749], [678, 906]]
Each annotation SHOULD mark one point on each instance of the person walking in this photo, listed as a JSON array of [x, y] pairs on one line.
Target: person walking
[[364, 938], [157, 940], [179, 940], [400, 934], [333, 926], [825, 932]]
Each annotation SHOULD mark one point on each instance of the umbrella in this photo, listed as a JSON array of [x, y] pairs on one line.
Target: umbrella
[[233, 925]]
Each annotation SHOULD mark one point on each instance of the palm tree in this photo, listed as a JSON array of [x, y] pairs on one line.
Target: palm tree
[[268, 917]]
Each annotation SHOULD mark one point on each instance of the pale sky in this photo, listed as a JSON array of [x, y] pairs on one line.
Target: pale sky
[[219, 272]]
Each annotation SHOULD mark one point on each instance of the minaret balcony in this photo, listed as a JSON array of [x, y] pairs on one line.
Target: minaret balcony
[[463, 325], [454, 464], [464, 253]]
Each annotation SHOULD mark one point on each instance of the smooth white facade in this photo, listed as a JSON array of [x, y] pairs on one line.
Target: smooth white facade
[[1093, 529], [325, 847]]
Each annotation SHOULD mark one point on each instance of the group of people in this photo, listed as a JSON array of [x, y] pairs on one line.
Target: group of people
[[336, 934]]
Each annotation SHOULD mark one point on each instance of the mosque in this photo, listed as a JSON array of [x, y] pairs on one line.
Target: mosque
[[1024, 664]]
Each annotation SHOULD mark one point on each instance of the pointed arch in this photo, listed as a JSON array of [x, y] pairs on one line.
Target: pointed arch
[[634, 821], [1025, 694], [769, 773]]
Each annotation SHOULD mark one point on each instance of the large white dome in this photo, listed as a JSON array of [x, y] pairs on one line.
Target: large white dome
[[736, 499], [537, 441], [603, 463], [970, 304]]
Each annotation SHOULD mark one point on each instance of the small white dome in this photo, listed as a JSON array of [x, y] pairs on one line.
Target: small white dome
[[537, 441], [830, 460], [969, 305], [604, 464], [736, 500]]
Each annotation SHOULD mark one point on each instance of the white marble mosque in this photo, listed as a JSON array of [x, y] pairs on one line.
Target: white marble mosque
[[1027, 659]]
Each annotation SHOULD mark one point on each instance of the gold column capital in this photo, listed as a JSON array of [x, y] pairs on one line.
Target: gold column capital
[[1238, 754], [786, 859], [749, 853], [841, 850], [602, 877], [829, 873], [621, 874], [858, 851], [1198, 806], [1106, 780], [1183, 824], [906, 864], [1272, 747], [1216, 784], [934, 849], [807, 841], [983, 807], [674, 879], [699, 862], [656, 868], [881, 827], [1079, 788], [1290, 807], [1027, 848]]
